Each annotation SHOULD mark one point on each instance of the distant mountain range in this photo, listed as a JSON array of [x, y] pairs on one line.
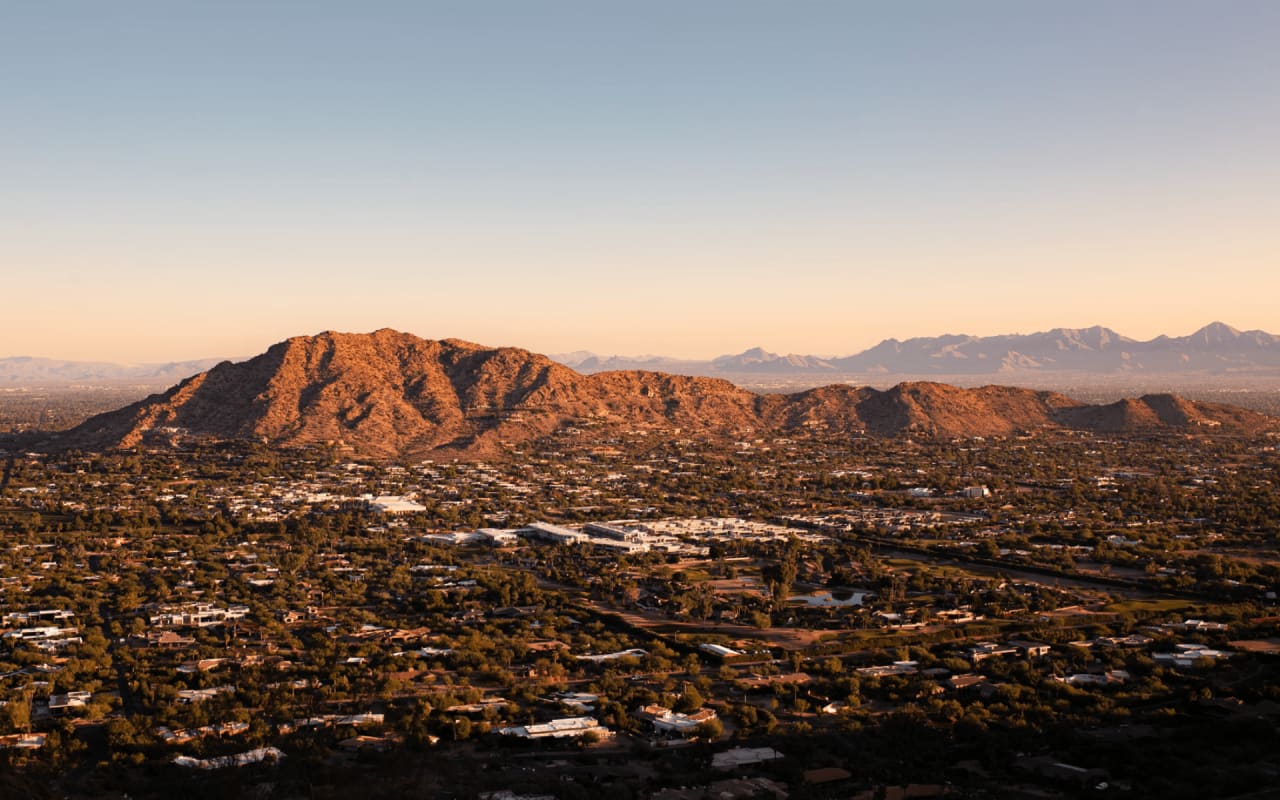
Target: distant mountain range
[[1214, 349], [391, 394], [28, 371]]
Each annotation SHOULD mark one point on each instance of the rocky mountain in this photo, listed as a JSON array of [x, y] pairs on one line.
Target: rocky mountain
[[390, 394], [1214, 349], [1062, 348], [758, 360], [588, 363]]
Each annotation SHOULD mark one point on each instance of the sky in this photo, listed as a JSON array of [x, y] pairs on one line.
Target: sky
[[685, 177]]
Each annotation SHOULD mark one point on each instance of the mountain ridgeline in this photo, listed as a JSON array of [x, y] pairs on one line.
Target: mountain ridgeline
[[27, 371], [1216, 349], [389, 394]]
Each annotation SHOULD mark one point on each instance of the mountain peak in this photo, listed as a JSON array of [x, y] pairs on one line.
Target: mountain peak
[[757, 359], [1095, 337], [1216, 333]]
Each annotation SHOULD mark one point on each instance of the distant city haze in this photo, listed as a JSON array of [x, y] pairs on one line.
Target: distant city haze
[[181, 181]]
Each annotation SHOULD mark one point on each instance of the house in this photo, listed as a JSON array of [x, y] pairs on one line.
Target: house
[[22, 741], [1109, 678], [1132, 640], [577, 701], [984, 650], [1030, 649], [41, 633], [966, 681], [564, 728], [664, 720], [393, 506], [161, 640], [744, 756], [957, 616], [896, 668], [765, 681], [1203, 626], [718, 650], [370, 744], [197, 695], [184, 735], [1191, 655], [25, 617], [498, 704], [61, 703], [196, 615]]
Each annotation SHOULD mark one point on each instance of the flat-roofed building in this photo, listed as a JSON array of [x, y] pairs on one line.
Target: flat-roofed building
[[553, 533], [563, 728]]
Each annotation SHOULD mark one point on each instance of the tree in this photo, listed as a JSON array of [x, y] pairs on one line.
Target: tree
[[691, 700], [710, 729], [15, 716], [788, 569]]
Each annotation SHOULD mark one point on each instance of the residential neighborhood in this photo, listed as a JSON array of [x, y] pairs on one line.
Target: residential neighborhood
[[240, 613]]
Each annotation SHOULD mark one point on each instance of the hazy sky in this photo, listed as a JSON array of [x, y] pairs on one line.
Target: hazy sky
[[695, 177]]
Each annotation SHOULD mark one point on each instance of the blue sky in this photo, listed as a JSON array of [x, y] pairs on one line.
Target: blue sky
[[188, 179]]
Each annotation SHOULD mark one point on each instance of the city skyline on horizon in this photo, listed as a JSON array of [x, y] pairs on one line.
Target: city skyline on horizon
[[685, 180]]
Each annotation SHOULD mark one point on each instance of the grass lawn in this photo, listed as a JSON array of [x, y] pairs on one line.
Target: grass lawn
[[1149, 606]]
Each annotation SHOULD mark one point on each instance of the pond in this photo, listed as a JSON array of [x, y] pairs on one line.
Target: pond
[[832, 599]]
